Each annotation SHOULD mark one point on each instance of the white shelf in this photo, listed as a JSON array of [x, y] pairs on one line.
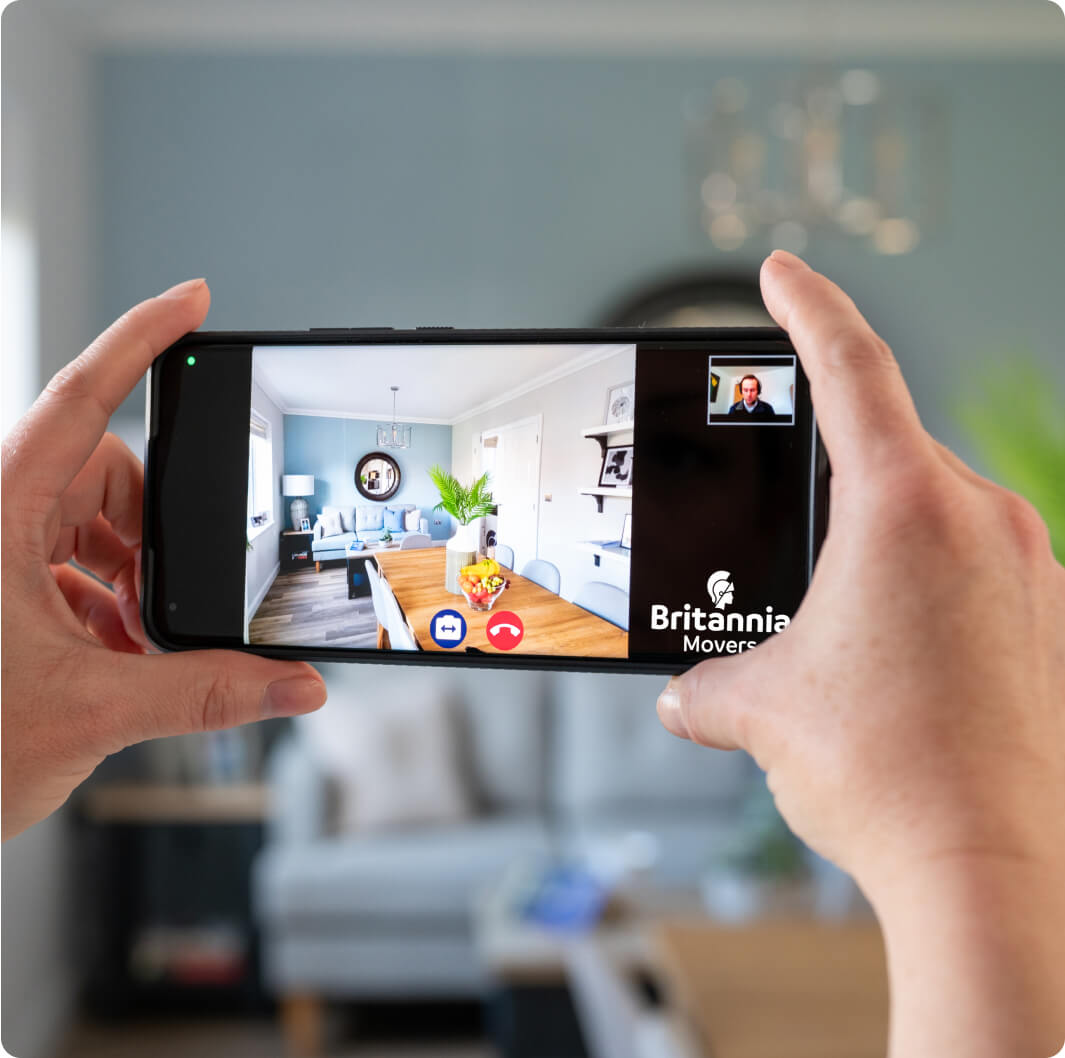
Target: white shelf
[[614, 551], [606, 430], [607, 494]]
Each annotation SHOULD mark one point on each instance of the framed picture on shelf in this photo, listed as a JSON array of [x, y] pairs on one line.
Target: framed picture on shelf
[[305, 525], [620, 402], [626, 532], [616, 471]]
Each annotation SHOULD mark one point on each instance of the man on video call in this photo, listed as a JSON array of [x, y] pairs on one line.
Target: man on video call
[[752, 406]]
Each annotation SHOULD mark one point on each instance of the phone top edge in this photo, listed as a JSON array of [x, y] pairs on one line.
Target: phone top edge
[[515, 335]]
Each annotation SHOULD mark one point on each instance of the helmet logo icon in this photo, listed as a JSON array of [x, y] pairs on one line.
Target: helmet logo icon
[[720, 588]]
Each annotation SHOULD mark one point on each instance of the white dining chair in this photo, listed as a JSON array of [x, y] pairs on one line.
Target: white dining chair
[[377, 594], [400, 637], [544, 573], [505, 555], [415, 540], [608, 602]]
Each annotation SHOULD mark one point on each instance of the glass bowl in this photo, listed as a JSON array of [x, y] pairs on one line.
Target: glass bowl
[[485, 604]]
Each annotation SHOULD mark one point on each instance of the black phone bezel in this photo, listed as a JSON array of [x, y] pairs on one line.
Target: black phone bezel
[[752, 339]]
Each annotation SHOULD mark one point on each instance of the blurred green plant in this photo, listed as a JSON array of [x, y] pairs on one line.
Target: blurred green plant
[[1016, 418], [763, 846]]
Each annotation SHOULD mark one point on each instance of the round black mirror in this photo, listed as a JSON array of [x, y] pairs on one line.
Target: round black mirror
[[695, 299], [377, 476]]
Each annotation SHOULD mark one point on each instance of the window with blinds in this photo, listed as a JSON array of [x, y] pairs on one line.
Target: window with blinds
[[260, 473]]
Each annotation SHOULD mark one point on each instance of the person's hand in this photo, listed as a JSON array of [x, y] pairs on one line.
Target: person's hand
[[911, 719], [77, 685]]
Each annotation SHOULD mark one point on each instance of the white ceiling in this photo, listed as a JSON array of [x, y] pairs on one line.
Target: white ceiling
[[437, 384], [805, 27]]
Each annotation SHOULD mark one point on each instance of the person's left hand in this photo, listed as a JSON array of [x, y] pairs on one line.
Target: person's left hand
[[77, 684]]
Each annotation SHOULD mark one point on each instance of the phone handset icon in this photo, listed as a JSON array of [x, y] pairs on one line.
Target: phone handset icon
[[511, 630], [505, 630]]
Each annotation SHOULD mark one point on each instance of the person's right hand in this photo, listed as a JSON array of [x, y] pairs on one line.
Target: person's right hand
[[913, 714]]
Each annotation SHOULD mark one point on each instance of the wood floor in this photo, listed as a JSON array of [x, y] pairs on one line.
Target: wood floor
[[218, 1038], [305, 608]]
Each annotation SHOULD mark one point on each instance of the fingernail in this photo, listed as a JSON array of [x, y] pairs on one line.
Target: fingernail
[[669, 711], [786, 259], [299, 694], [183, 289]]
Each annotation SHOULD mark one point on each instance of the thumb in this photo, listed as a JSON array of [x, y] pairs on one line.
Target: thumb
[[174, 694], [716, 703], [864, 410]]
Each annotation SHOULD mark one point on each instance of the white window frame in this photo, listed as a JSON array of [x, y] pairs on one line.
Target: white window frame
[[260, 420]]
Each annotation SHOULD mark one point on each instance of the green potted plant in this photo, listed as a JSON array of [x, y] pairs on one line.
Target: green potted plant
[[1024, 447], [466, 504], [762, 862]]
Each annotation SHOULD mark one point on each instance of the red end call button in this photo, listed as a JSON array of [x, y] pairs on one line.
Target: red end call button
[[505, 630]]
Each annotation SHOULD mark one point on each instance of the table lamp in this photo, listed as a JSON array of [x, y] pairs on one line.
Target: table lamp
[[299, 485]]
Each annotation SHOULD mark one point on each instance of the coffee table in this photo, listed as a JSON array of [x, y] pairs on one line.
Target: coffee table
[[537, 1003], [659, 977], [358, 582]]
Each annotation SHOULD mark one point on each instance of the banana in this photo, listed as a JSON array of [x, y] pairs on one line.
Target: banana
[[487, 567]]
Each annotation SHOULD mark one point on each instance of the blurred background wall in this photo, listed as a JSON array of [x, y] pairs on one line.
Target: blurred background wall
[[494, 165]]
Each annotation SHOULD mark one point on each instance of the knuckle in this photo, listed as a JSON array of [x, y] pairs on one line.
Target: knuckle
[[1025, 525], [72, 384], [853, 344], [221, 702]]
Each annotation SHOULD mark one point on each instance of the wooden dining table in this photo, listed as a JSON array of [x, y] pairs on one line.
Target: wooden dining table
[[552, 625]]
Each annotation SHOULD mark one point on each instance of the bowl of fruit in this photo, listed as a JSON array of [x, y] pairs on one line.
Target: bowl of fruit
[[482, 583]]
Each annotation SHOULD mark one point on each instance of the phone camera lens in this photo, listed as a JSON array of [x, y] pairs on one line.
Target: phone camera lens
[[172, 607]]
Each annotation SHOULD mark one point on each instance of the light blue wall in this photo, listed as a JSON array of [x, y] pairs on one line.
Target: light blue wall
[[335, 190], [330, 449]]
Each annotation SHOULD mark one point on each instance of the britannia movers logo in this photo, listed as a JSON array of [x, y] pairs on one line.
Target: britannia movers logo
[[694, 619]]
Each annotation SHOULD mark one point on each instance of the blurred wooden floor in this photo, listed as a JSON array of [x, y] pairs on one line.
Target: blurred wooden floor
[[218, 1038]]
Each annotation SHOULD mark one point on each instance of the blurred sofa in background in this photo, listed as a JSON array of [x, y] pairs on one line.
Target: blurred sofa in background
[[361, 892]]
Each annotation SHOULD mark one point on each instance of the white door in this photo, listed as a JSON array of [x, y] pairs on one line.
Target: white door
[[512, 457]]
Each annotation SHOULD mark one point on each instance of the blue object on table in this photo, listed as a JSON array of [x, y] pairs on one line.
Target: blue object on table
[[356, 545], [567, 897]]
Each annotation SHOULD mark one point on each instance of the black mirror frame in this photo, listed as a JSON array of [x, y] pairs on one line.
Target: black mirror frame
[[369, 457]]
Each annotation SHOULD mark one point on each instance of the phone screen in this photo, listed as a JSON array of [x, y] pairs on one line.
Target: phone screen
[[647, 502]]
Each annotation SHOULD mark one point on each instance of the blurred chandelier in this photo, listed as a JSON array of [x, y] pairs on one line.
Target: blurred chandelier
[[395, 435], [834, 152]]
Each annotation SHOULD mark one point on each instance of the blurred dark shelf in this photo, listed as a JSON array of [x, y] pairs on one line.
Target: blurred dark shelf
[[165, 919]]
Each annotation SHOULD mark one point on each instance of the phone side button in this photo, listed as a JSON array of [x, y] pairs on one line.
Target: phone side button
[[348, 330]]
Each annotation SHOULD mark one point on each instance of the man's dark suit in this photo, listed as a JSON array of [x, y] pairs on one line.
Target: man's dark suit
[[761, 410]]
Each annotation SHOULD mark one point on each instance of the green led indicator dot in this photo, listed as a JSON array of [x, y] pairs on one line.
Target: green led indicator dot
[[190, 361]]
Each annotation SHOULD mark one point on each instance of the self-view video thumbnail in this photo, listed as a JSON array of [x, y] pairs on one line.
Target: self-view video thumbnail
[[751, 391]]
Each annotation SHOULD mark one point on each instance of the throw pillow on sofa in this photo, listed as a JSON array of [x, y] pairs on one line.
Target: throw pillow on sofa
[[412, 521], [394, 760], [347, 517], [332, 524], [368, 518], [394, 519]]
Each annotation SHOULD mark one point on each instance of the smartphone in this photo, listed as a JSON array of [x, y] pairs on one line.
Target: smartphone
[[597, 500]]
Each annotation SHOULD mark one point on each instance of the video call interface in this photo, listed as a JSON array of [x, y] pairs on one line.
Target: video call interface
[[599, 500]]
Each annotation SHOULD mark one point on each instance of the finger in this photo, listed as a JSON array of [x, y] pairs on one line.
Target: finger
[[58, 434], [96, 547], [111, 483], [864, 410], [207, 690], [96, 608]]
